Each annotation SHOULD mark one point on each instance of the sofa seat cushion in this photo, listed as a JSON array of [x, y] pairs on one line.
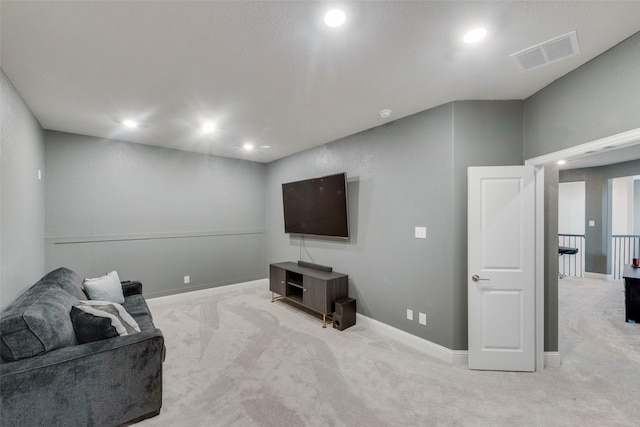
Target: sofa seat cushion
[[37, 322]]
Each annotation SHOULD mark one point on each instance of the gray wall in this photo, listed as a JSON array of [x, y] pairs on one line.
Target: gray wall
[[485, 134], [399, 176], [153, 214], [551, 258], [408, 173], [636, 207], [598, 205], [157, 214], [22, 260], [599, 99]]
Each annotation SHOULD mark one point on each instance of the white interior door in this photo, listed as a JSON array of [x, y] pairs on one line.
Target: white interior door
[[501, 268]]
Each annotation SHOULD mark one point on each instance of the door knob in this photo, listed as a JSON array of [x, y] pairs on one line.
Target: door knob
[[477, 278]]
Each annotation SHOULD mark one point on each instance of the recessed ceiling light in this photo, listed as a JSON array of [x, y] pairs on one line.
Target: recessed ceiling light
[[265, 146], [248, 146], [130, 123], [334, 18], [474, 35], [385, 113], [562, 162], [208, 127]]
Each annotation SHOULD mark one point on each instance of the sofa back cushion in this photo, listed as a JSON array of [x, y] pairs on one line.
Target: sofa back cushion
[[39, 320], [67, 280]]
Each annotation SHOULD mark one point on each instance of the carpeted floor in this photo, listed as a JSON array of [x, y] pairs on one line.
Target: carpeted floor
[[236, 359]]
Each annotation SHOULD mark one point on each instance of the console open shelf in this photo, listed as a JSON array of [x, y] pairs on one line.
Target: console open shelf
[[314, 289]]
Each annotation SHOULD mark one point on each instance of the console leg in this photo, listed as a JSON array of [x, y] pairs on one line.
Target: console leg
[[324, 320]]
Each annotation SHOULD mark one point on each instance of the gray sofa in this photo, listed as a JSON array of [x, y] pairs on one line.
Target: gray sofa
[[47, 378]]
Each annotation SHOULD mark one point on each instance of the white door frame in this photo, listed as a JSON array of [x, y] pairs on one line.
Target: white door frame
[[619, 140], [539, 267]]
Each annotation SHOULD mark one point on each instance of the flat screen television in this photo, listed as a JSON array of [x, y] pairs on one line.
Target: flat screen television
[[317, 206]]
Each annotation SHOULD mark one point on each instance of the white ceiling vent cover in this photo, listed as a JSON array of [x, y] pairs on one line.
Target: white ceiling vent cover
[[547, 52]]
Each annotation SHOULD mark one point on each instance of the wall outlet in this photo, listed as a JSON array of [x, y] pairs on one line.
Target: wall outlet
[[409, 314], [187, 279], [422, 319], [421, 232]]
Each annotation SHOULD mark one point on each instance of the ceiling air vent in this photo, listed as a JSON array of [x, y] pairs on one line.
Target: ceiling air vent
[[547, 52]]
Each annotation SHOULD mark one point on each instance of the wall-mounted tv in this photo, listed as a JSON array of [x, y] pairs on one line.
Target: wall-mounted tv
[[317, 206]]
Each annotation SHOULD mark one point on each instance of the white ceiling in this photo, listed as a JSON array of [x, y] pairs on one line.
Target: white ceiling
[[272, 72]]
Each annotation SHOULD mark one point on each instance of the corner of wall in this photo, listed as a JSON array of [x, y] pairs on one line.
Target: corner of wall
[[21, 194]]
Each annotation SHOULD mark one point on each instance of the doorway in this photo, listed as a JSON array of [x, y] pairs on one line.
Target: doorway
[[625, 222], [614, 149], [571, 228]]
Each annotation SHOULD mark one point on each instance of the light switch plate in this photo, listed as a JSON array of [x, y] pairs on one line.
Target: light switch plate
[[422, 319], [421, 232], [592, 223], [409, 314]]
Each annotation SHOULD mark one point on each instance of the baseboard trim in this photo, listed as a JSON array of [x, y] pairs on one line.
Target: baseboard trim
[[454, 357], [203, 293], [551, 359], [598, 276]]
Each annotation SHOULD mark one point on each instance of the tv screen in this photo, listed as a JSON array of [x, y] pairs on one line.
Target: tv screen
[[316, 206]]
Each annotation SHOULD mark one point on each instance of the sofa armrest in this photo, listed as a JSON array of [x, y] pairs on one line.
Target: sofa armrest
[[107, 382], [131, 288]]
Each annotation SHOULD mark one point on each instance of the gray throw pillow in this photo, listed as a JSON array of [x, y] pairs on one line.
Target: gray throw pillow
[[119, 318], [90, 328], [105, 288]]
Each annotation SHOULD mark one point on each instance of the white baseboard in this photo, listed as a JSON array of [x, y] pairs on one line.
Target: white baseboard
[[185, 296], [598, 276], [551, 359], [454, 357], [442, 353]]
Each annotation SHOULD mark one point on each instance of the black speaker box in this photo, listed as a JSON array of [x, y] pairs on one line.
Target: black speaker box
[[345, 314]]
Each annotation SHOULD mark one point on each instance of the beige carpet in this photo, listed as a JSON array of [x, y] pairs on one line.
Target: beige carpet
[[236, 359]]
